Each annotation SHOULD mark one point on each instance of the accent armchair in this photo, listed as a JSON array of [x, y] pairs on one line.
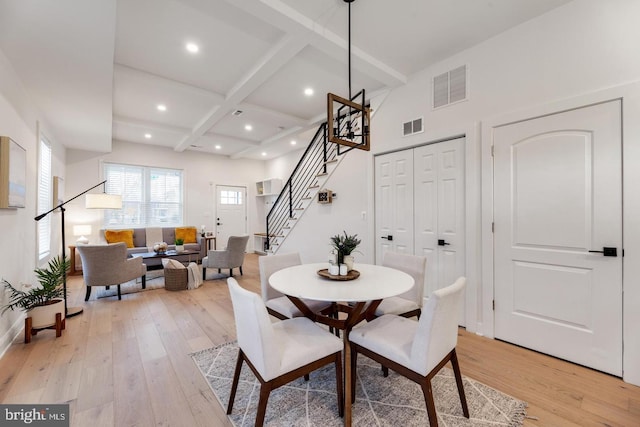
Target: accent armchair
[[231, 257], [108, 265]]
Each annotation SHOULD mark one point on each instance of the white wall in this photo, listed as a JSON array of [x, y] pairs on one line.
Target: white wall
[[18, 120], [202, 172], [577, 51], [311, 234]]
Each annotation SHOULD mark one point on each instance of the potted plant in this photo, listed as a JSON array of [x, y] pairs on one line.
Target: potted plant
[[344, 245], [41, 303], [179, 245]]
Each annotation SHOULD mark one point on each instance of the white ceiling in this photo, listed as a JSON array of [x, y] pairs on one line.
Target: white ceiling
[[97, 69]]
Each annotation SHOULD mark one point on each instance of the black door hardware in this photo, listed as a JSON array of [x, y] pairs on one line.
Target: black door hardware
[[389, 237], [606, 251], [441, 242]]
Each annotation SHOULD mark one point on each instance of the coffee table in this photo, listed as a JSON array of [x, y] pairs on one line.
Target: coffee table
[[167, 254]]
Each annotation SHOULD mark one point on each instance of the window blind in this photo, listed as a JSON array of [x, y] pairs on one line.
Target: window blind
[[45, 194], [150, 196]]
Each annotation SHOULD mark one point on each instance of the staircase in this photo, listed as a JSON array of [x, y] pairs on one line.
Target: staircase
[[309, 176]]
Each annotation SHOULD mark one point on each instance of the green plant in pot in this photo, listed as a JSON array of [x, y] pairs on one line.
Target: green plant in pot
[[179, 245], [41, 302], [344, 245]]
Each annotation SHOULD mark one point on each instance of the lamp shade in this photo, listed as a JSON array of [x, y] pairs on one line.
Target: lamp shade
[[103, 201], [81, 230]]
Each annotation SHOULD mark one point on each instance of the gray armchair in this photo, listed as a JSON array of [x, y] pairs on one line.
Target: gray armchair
[[231, 257], [107, 265]]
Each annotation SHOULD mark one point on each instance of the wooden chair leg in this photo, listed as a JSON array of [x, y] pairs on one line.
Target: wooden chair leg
[[107, 287], [234, 384], [219, 270], [204, 273], [88, 293], [428, 399], [241, 273], [385, 371], [119, 294], [339, 385], [144, 281], [354, 362], [28, 322], [265, 390], [231, 272], [458, 375], [306, 377], [58, 325]]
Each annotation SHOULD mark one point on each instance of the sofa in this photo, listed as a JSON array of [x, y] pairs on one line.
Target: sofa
[[144, 239]]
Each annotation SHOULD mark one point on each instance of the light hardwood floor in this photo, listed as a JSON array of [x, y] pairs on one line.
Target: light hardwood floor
[[126, 363]]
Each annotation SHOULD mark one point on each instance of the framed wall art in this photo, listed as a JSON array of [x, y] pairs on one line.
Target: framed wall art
[[13, 174]]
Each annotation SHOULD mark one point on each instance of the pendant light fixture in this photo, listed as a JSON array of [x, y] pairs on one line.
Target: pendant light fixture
[[348, 118]]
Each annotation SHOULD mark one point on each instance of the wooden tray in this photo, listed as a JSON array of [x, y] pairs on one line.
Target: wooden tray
[[353, 274]]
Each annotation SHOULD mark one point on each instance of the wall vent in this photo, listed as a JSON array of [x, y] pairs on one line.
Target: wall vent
[[450, 87], [412, 126]]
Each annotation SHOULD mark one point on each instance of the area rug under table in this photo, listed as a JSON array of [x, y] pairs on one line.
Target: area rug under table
[[380, 401]]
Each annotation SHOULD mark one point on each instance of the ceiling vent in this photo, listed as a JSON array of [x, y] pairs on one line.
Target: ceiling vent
[[450, 87], [237, 113], [412, 126]]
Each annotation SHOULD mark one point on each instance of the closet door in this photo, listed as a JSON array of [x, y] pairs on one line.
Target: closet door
[[439, 211], [394, 203]]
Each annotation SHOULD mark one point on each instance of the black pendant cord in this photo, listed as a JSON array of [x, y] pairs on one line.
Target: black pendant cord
[[349, 46]]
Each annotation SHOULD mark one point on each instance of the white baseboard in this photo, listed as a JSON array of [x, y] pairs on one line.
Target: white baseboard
[[7, 339]]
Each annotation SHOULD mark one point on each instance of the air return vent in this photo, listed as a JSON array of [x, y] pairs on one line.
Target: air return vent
[[411, 127], [450, 87]]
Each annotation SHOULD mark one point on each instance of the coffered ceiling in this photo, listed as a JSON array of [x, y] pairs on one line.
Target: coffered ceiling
[[98, 69]]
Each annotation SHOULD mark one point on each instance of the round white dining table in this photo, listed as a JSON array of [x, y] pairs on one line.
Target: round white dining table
[[365, 293], [375, 283]]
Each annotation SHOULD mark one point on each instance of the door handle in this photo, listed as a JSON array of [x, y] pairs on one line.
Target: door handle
[[389, 237], [441, 242], [607, 251]]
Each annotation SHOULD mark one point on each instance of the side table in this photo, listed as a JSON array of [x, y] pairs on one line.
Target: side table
[[72, 257], [207, 242]]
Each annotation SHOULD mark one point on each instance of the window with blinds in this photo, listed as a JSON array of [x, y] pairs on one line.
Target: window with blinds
[[45, 192], [151, 197]]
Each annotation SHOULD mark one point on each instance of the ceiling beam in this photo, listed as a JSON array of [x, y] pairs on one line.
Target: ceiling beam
[[271, 62]]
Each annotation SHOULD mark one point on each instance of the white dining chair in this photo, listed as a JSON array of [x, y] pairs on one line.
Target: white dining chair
[[408, 304], [280, 352], [278, 305], [416, 349]]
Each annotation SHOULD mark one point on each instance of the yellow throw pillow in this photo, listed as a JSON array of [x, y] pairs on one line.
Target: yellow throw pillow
[[117, 236], [187, 234]]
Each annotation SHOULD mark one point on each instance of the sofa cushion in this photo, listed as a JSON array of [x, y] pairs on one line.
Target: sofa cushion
[[187, 234], [117, 236]]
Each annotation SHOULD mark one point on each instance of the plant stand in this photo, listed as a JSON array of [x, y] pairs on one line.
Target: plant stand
[[29, 330]]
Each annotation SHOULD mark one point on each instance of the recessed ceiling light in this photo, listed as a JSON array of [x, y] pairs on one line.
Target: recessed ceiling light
[[161, 107], [293, 142], [264, 153], [308, 91], [248, 127], [217, 147], [147, 135], [192, 47]]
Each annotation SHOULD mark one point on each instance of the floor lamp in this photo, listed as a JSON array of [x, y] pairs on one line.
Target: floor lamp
[[93, 201]]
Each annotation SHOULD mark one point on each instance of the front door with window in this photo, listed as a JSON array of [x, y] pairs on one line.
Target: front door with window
[[231, 213]]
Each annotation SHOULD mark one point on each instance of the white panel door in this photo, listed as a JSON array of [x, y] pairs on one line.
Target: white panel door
[[394, 203], [439, 212], [231, 213], [558, 196]]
